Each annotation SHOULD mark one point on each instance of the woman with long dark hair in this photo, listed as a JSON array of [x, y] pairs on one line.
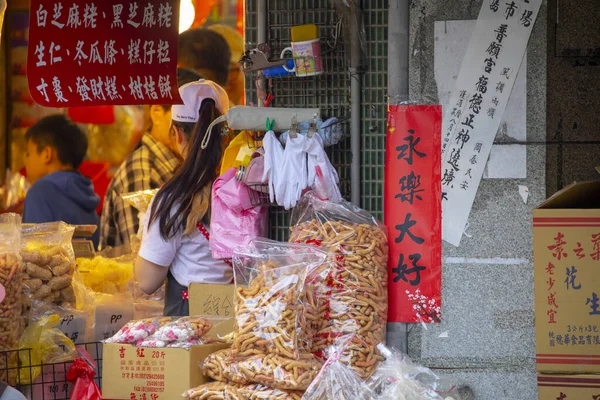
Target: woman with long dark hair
[[175, 243]]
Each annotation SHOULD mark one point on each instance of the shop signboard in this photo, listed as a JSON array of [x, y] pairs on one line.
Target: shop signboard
[[109, 52], [566, 260], [413, 213], [477, 104]]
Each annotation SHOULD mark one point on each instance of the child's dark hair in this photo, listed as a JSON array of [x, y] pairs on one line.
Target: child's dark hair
[[198, 170], [63, 135]]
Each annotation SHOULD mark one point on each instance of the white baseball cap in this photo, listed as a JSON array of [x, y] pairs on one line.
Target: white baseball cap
[[193, 94]]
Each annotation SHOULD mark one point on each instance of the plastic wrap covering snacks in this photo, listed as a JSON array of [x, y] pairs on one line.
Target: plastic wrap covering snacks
[[11, 281], [139, 200], [15, 189], [135, 331], [399, 378], [355, 289], [224, 391], [336, 380], [168, 332], [106, 275], [270, 370], [218, 366], [269, 284], [48, 263]]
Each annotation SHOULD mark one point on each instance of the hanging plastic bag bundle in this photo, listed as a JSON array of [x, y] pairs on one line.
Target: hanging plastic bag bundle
[[81, 373], [234, 221], [43, 343]]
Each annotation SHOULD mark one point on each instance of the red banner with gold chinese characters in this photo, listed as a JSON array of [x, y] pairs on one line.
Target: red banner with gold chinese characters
[[108, 52], [412, 206]]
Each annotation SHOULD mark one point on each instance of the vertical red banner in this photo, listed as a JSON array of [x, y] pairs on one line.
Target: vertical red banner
[[103, 52], [412, 206]]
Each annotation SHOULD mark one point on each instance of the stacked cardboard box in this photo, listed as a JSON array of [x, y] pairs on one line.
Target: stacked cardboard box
[[165, 373], [566, 236]]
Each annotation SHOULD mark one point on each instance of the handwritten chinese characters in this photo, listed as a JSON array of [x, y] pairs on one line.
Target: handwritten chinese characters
[[478, 102], [569, 262], [91, 52], [412, 213]]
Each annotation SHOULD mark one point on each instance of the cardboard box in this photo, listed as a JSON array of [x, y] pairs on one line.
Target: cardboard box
[[137, 372], [210, 299], [566, 238], [567, 387]]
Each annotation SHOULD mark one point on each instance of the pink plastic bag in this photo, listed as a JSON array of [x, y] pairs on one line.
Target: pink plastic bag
[[234, 221]]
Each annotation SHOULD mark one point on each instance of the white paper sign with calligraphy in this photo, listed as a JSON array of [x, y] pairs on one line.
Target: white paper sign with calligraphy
[[478, 102]]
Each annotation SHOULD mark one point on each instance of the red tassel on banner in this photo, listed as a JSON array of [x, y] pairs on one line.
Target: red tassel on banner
[[99, 115], [82, 375]]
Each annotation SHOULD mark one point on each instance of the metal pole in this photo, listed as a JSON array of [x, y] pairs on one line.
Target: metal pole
[[355, 98], [262, 20], [398, 56]]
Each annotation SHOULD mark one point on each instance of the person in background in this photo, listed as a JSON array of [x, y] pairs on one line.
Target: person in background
[[235, 81], [206, 52], [176, 235], [148, 167], [56, 147]]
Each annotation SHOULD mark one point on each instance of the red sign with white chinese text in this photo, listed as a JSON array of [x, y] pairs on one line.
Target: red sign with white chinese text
[[103, 52], [413, 213]]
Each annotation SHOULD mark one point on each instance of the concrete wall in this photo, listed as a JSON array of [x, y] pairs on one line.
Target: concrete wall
[[487, 308]]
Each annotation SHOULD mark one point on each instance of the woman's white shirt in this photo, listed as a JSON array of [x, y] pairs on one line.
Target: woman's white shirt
[[188, 256]]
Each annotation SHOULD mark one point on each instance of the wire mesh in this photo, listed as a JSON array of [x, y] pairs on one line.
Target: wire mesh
[[331, 91], [17, 366]]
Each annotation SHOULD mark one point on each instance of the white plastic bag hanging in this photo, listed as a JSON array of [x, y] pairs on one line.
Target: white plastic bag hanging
[[321, 173], [272, 163], [294, 177]]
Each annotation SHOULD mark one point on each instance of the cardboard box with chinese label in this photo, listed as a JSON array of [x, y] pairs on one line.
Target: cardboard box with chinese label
[[154, 373], [568, 387], [210, 299], [566, 238]]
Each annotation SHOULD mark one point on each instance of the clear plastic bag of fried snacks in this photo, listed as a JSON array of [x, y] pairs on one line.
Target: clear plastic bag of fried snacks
[[208, 391], [48, 262], [355, 289], [269, 283], [336, 380], [271, 370], [232, 391], [259, 392], [218, 367], [11, 280]]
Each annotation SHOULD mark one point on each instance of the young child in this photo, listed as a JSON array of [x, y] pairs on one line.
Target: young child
[[56, 147]]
